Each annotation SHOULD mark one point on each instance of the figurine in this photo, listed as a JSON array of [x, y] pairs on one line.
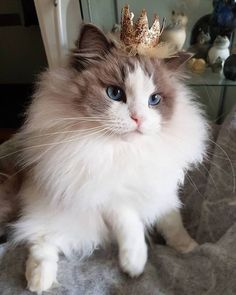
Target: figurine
[[200, 49], [230, 67], [220, 49], [175, 33], [202, 25], [115, 32], [197, 65], [222, 21], [217, 66]]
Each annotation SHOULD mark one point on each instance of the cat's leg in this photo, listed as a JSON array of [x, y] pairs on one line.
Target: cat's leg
[[176, 236], [129, 232], [41, 267]]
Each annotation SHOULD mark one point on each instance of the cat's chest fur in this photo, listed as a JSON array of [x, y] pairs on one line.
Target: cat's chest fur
[[141, 174]]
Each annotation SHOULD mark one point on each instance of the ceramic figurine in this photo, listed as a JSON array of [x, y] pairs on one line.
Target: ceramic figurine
[[222, 21], [115, 32], [220, 49], [197, 65], [217, 66], [230, 67], [200, 49], [175, 33], [202, 25]]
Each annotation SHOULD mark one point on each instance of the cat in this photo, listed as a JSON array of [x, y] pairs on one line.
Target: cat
[[107, 141]]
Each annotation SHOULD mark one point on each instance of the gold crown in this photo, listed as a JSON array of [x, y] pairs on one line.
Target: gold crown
[[138, 34]]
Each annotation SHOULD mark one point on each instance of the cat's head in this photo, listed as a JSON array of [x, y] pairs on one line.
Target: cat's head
[[124, 94]]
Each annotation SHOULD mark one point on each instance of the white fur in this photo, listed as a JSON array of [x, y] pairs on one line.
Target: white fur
[[140, 88], [85, 192]]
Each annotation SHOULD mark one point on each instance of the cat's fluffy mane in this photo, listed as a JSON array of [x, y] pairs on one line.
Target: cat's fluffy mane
[[76, 179]]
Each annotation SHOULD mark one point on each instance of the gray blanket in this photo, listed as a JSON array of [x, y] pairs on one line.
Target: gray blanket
[[209, 213]]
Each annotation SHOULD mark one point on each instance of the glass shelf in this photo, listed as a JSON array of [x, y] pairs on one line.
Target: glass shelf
[[208, 78]]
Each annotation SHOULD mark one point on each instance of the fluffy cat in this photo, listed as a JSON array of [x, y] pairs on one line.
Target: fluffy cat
[[108, 139]]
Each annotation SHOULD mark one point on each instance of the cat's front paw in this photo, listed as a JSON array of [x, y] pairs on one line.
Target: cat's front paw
[[185, 245], [40, 275], [133, 260]]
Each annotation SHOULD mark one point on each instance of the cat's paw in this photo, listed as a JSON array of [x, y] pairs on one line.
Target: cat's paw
[[185, 245], [40, 275], [133, 260]]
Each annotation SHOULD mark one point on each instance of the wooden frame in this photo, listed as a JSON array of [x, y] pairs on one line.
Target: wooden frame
[[59, 22]]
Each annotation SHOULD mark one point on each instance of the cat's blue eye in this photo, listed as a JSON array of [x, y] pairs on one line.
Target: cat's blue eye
[[154, 99], [115, 93]]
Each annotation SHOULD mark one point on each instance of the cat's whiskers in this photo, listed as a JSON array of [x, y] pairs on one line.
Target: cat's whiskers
[[231, 164], [52, 145], [186, 172], [84, 119], [78, 135], [64, 132], [212, 162], [201, 165], [217, 166], [194, 184], [4, 175], [72, 139], [209, 174]]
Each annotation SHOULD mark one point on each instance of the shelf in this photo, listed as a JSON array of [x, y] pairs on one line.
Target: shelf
[[208, 78]]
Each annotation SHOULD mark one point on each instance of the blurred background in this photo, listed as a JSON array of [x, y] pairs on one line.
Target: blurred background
[[37, 34]]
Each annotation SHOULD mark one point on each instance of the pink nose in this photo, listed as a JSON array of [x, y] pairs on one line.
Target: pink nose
[[136, 118]]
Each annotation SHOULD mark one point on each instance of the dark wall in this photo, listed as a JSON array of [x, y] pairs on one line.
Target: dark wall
[[22, 58]]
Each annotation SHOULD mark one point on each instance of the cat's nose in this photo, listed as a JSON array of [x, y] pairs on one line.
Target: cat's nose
[[136, 118]]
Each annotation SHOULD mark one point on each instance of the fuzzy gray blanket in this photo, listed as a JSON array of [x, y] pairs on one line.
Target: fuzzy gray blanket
[[209, 213]]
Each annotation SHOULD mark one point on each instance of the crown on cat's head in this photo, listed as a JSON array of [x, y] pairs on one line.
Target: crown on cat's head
[[139, 33], [137, 38]]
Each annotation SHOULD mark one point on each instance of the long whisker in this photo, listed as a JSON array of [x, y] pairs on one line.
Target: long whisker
[[73, 139], [194, 184], [85, 119], [46, 144], [4, 175], [231, 164], [208, 173], [51, 145], [64, 132], [187, 175], [227, 157], [218, 166]]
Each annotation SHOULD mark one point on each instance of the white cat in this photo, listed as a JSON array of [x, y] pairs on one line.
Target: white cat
[[108, 139]]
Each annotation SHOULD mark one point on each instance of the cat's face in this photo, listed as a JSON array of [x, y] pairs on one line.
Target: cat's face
[[125, 94]]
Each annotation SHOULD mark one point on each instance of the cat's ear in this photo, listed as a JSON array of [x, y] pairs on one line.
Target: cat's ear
[[91, 46], [92, 39], [177, 61]]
